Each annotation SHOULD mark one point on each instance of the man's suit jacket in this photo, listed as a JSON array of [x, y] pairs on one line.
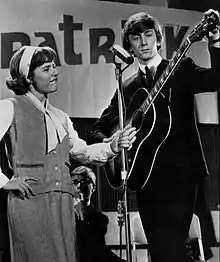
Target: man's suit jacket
[[182, 148]]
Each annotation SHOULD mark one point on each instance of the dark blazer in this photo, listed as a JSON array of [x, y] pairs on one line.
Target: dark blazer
[[182, 148], [167, 200], [91, 237]]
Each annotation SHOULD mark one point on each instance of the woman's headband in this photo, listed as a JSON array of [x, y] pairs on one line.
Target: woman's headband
[[26, 57], [25, 61]]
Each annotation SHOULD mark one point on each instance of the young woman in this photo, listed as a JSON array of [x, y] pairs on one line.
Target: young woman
[[39, 138]]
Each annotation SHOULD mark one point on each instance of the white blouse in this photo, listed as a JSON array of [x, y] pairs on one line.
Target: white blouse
[[97, 154]]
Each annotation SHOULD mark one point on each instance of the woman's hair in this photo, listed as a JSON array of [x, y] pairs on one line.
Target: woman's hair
[[137, 24], [19, 83]]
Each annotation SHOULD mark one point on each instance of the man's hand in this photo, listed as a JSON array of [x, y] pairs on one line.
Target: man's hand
[[21, 186]]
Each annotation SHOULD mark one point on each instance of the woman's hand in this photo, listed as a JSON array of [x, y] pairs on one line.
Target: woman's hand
[[20, 185], [123, 139]]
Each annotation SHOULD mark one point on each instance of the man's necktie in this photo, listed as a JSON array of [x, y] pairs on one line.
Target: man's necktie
[[149, 76]]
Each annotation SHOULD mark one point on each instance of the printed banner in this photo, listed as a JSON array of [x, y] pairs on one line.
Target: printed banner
[[83, 35]]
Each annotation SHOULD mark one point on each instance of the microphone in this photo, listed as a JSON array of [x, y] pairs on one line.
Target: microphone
[[122, 54]]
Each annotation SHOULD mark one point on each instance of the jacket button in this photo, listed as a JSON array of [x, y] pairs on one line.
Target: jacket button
[[57, 183], [56, 167]]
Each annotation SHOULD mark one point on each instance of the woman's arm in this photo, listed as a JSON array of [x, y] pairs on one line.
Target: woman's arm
[[6, 118], [79, 150], [99, 154]]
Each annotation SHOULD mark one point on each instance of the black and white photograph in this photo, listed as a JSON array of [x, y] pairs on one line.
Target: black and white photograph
[[109, 130]]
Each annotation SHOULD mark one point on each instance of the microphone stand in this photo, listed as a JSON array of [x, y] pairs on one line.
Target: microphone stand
[[118, 74], [120, 219]]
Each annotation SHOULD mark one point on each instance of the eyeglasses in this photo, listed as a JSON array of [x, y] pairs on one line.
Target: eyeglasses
[[82, 182]]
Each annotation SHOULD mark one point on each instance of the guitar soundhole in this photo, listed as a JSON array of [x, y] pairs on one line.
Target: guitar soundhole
[[137, 119]]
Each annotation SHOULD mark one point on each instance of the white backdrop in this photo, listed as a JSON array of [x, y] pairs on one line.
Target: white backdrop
[[87, 79]]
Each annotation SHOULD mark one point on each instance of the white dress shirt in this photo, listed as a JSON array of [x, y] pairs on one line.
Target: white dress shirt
[[152, 64]]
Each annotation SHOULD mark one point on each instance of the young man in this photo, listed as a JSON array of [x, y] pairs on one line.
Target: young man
[[166, 200], [91, 224]]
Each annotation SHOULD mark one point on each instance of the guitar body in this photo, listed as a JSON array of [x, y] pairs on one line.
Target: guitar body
[[152, 130]]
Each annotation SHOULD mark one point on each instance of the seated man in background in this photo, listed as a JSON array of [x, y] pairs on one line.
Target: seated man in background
[[91, 224]]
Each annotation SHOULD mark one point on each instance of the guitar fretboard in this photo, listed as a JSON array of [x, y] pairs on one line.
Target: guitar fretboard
[[165, 75], [206, 25]]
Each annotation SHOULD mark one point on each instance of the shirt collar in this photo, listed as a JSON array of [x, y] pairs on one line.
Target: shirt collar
[[37, 102], [152, 64], [54, 126]]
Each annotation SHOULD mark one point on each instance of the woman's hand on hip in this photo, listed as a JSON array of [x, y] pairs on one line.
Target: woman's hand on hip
[[20, 185]]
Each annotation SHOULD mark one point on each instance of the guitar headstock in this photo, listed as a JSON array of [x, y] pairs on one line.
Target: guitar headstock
[[208, 23]]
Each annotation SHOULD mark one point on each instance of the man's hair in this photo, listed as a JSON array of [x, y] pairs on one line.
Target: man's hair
[[83, 170], [137, 24]]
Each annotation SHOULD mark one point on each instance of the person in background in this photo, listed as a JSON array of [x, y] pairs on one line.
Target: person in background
[[4, 234], [39, 139], [91, 224], [166, 200]]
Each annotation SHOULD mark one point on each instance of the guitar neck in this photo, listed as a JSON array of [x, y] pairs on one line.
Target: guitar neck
[[165, 76]]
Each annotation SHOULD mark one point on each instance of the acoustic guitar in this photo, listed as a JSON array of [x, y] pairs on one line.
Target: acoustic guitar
[[151, 132]]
